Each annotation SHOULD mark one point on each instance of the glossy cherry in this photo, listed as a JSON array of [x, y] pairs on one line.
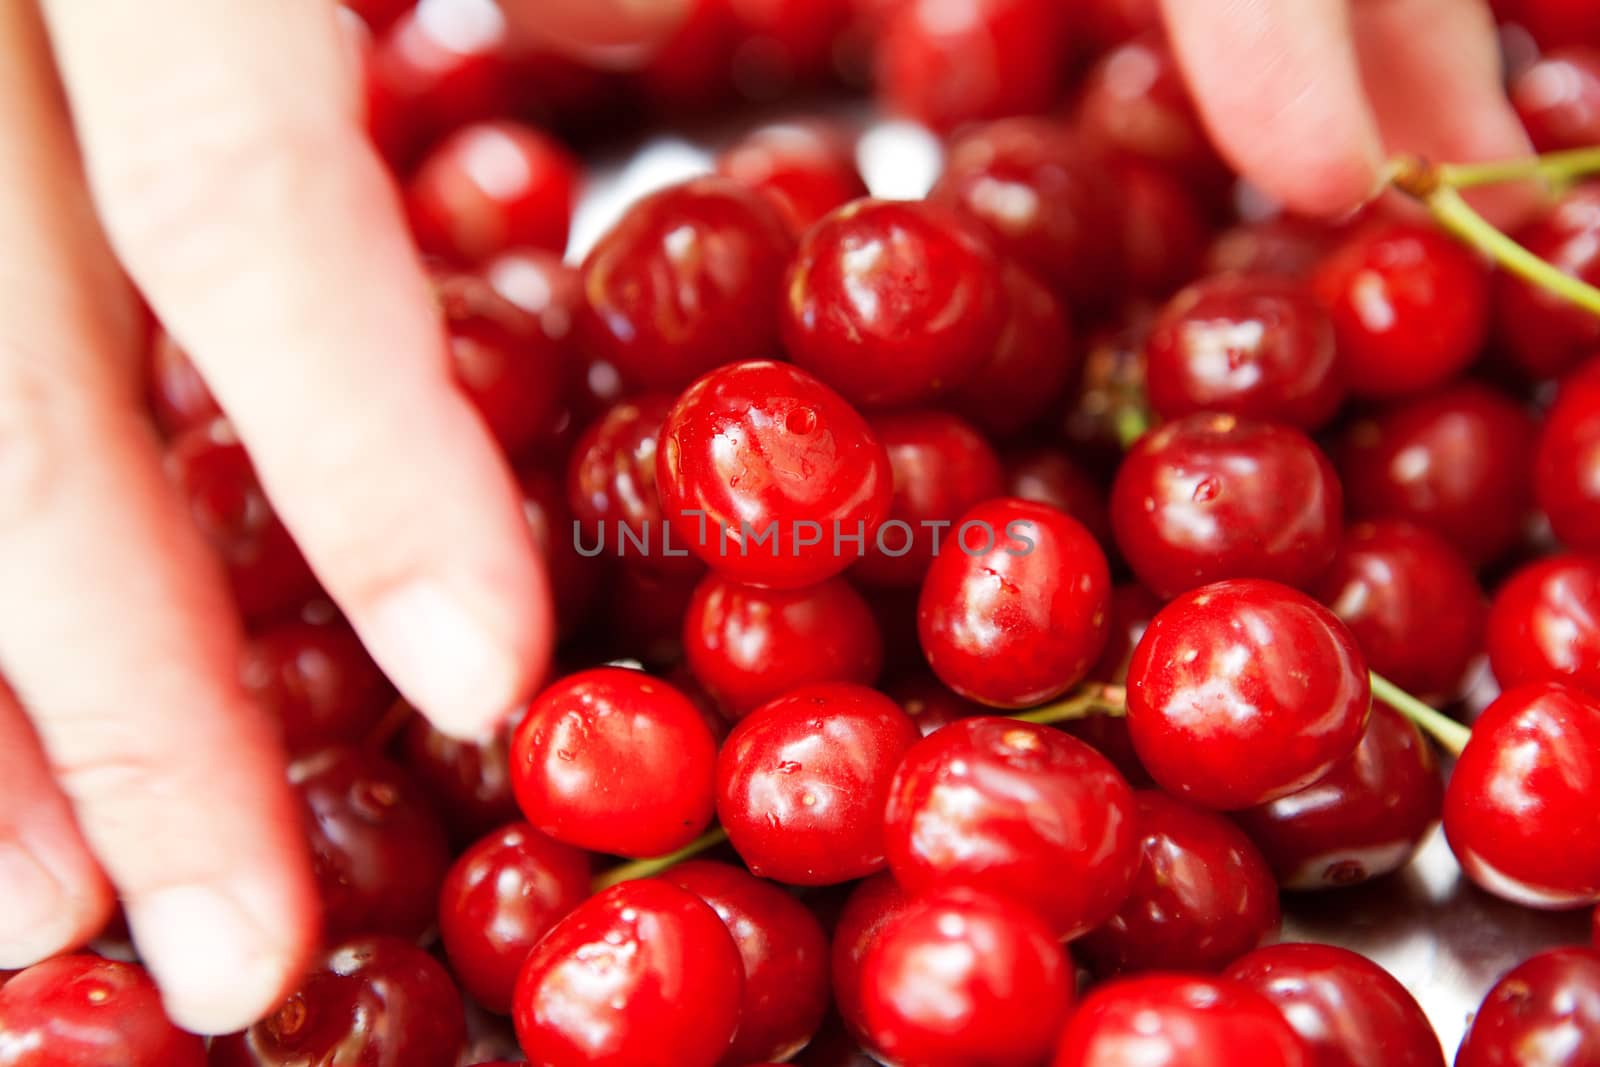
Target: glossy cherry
[[1030, 364], [316, 681], [1558, 99], [541, 283], [1544, 1012], [866, 912], [179, 397], [1523, 802], [1350, 1011], [689, 279], [469, 782], [1019, 810], [930, 703], [801, 783], [1544, 625], [892, 302], [803, 479], [644, 974], [806, 168], [84, 1011], [1567, 462], [1209, 497], [1544, 333], [614, 761]]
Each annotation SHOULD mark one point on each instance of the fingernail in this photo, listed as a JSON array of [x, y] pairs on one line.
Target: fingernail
[[443, 659], [35, 922]]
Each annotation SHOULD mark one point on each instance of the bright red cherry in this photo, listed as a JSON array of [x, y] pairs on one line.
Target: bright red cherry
[[1179, 1021], [615, 761], [1202, 897], [1545, 624], [1210, 497], [893, 302], [84, 1011], [807, 168], [1558, 99], [1567, 463], [179, 397], [499, 898], [785, 954], [1362, 819], [1019, 810], [1522, 807], [963, 979], [770, 476], [469, 782], [1544, 333], [748, 645], [1014, 608], [370, 1000], [801, 783], [1350, 1011], [1052, 477], [1244, 691], [1257, 346], [1543, 1013], [866, 912], [644, 974], [929, 703], [316, 681], [689, 279], [1030, 365]]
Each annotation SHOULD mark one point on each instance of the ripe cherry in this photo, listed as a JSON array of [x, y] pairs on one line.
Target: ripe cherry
[[1030, 364], [1567, 463], [179, 398], [643, 974], [1244, 691], [542, 284], [1558, 99], [692, 70], [1209, 497], [1554, 23], [868, 909], [84, 1011], [573, 577], [614, 761], [469, 782], [1544, 333], [801, 783], [1052, 477], [929, 703], [1019, 810], [799, 496], [1132, 608], [806, 168], [1164, 228], [1545, 624], [1543, 1013], [1284, 245], [316, 681]]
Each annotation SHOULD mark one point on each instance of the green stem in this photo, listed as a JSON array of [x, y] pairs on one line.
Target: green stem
[[1451, 735], [1091, 699], [1557, 168], [649, 868], [1131, 421]]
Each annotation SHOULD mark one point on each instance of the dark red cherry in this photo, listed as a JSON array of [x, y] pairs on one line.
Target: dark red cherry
[[1202, 897], [689, 279], [942, 467], [1544, 333], [1284, 245], [1179, 1021], [377, 849], [785, 43], [614, 761], [801, 783], [644, 974], [1558, 99], [379, 14], [747, 645], [1522, 807], [1252, 345], [1567, 462], [692, 70], [1244, 691], [573, 577], [645, 616], [1110, 22], [1209, 497], [1457, 461], [1030, 364], [84, 1011], [499, 898], [1132, 608], [1164, 228], [1544, 625], [869, 908], [1016, 809], [1052, 477], [892, 302], [806, 168], [1543, 1013], [1362, 819], [929, 703], [469, 782], [370, 1000], [179, 397], [1014, 608], [770, 476], [962, 978], [1350, 1011], [785, 954], [316, 681]]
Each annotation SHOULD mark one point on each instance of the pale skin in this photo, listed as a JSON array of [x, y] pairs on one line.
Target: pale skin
[[214, 156]]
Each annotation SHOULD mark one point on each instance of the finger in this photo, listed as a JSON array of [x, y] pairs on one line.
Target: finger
[[1277, 84], [581, 27], [267, 235], [115, 630]]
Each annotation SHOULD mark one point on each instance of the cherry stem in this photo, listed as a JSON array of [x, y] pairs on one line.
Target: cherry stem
[[1451, 735], [1557, 168], [649, 868], [1094, 698], [1131, 422]]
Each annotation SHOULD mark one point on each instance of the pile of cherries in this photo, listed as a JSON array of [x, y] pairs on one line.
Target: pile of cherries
[[971, 607]]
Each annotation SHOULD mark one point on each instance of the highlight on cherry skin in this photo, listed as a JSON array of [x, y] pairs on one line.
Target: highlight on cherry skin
[[1024, 596]]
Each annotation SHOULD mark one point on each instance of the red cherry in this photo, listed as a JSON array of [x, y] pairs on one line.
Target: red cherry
[[1545, 624], [469, 782], [1132, 608], [748, 645], [1244, 691], [499, 898], [1016, 809], [1558, 99], [892, 302], [785, 43], [642, 975], [1164, 229], [785, 954], [573, 577], [1543, 333], [369, 1000], [806, 168], [614, 761], [1285, 245], [379, 14], [1030, 364], [1257, 346], [1014, 608], [1202, 897], [179, 397], [962, 979], [929, 703], [866, 912], [1554, 23], [942, 467], [316, 681], [1350, 1011], [646, 616], [1522, 807], [442, 65], [688, 279], [1210, 497], [1108, 735], [1567, 464], [1543, 1013], [801, 783], [692, 70], [540, 283], [84, 1011], [1052, 477], [1363, 819], [789, 481]]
